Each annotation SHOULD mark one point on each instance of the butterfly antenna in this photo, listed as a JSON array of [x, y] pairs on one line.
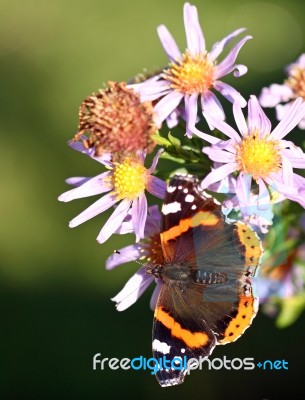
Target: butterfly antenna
[[129, 258]]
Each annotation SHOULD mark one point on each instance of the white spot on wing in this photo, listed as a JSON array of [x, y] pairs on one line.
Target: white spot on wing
[[171, 189], [182, 350], [171, 208], [161, 347], [185, 190], [189, 198], [194, 207]]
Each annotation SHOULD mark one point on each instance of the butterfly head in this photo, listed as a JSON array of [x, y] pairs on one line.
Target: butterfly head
[[171, 274]]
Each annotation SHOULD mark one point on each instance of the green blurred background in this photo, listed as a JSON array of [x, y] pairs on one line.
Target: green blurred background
[[55, 293]]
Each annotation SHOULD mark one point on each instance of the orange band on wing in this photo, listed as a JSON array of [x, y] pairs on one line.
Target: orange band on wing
[[204, 218], [237, 326], [192, 340], [252, 243]]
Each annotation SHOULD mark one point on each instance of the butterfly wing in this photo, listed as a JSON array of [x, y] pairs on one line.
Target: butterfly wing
[[185, 209], [217, 304], [179, 334]]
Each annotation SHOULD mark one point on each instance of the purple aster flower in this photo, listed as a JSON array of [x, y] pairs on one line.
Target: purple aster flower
[[148, 250], [259, 153], [193, 75], [125, 182], [292, 88]]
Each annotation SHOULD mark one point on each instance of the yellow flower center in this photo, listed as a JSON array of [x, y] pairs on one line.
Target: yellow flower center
[[192, 74], [296, 81], [129, 178], [258, 156]]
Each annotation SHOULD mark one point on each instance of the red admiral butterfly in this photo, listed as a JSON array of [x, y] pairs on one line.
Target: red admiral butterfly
[[206, 297]]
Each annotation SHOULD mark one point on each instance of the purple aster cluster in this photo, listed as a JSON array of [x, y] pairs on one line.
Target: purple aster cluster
[[253, 167]]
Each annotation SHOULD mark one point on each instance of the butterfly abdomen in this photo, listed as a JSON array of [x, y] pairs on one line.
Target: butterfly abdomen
[[209, 278]]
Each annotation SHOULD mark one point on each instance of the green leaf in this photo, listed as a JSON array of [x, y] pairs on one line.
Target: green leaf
[[291, 309], [161, 140], [171, 157], [174, 141]]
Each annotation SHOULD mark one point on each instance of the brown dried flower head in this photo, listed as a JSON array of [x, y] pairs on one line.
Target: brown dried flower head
[[115, 121]]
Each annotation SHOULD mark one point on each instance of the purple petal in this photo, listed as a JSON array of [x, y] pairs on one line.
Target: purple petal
[[297, 162], [133, 289], [218, 155], [293, 153], [287, 171], [155, 161], [154, 213], [141, 155], [151, 90], [173, 119], [275, 180], [300, 198], [243, 191], [240, 70], [77, 180], [194, 36], [293, 116], [155, 295], [104, 159], [114, 221], [290, 147], [227, 65], [191, 109], [218, 174], [91, 187], [191, 116], [226, 185], [218, 47], [282, 109], [156, 186], [230, 203], [224, 127], [169, 44], [275, 94], [301, 124], [211, 105], [257, 119], [167, 105], [126, 227], [299, 63], [139, 215], [229, 93], [153, 221], [228, 145], [151, 85], [96, 208], [127, 254], [263, 195], [240, 119], [154, 97], [299, 182]]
